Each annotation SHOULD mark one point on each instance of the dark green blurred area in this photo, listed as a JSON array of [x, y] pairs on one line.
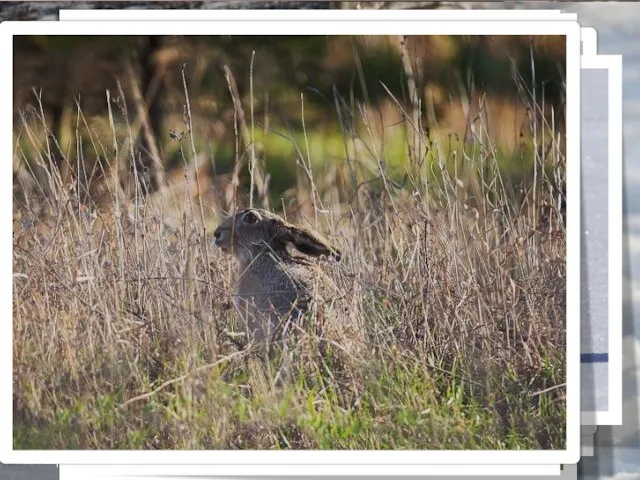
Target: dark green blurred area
[[327, 81]]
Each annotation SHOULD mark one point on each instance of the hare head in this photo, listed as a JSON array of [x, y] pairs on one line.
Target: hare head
[[252, 231]]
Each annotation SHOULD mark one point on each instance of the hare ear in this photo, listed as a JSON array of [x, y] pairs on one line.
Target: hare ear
[[306, 241]]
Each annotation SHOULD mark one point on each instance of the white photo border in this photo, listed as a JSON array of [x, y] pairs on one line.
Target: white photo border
[[315, 15], [389, 471], [589, 37], [588, 34], [570, 454]]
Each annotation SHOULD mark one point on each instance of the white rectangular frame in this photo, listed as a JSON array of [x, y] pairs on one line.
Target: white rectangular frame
[[250, 459], [613, 64], [589, 38], [311, 14], [588, 35], [389, 471]]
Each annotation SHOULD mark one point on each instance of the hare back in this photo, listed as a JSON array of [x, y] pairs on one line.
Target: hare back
[[270, 293]]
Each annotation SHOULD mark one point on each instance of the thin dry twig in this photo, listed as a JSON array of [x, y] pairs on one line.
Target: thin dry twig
[[181, 378]]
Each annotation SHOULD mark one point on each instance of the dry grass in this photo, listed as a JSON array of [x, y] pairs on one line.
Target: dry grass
[[125, 335]]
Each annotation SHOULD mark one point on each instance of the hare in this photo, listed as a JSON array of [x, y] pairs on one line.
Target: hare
[[275, 289]]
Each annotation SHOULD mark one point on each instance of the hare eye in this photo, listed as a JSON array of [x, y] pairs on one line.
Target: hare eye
[[250, 218]]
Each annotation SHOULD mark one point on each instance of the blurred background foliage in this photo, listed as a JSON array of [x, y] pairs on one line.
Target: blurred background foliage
[[302, 90]]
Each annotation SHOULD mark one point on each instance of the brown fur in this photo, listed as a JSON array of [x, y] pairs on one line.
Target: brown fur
[[276, 291]]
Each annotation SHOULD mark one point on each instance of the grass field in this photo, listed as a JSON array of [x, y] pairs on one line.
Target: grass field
[[454, 253]]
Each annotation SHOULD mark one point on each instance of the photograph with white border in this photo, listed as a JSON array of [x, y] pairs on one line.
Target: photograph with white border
[[589, 48], [601, 326], [569, 29]]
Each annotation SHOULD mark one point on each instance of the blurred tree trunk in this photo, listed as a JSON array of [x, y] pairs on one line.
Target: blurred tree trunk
[[153, 92], [152, 86], [56, 112]]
